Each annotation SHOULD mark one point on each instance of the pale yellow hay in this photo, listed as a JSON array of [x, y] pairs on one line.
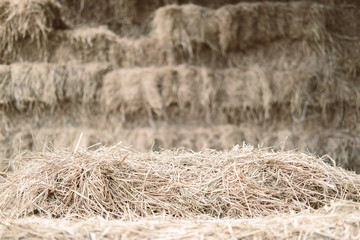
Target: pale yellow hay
[[118, 183], [338, 220]]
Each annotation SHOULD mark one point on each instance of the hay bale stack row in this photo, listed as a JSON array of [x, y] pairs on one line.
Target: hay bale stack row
[[238, 27], [185, 33], [341, 145], [208, 65], [184, 91], [130, 17], [25, 85]]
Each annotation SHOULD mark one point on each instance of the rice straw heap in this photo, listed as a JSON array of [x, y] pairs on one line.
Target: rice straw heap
[[117, 183], [339, 220]]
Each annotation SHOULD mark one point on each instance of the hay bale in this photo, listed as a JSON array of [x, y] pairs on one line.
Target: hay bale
[[28, 20], [127, 18], [141, 52], [336, 220], [131, 17], [249, 89], [148, 52], [246, 25], [141, 138], [81, 83], [240, 26], [181, 25], [61, 126], [82, 45], [164, 92], [5, 76], [122, 16], [161, 92], [117, 183], [32, 84], [129, 92]]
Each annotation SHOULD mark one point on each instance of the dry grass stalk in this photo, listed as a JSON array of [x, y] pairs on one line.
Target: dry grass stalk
[[117, 183], [339, 220]]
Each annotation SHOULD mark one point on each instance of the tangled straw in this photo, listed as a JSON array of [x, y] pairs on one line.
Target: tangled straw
[[117, 183]]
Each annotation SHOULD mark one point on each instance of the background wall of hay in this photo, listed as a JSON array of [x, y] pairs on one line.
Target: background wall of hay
[[171, 74]]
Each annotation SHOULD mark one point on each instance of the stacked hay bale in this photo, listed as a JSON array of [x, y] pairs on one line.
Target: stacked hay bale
[[200, 75]]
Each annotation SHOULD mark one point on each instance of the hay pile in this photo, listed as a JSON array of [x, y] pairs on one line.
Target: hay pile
[[339, 220], [117, 183], [27, 20]]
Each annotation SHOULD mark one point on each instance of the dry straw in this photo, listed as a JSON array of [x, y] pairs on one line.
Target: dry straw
[[117, 183], [340, 220]]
